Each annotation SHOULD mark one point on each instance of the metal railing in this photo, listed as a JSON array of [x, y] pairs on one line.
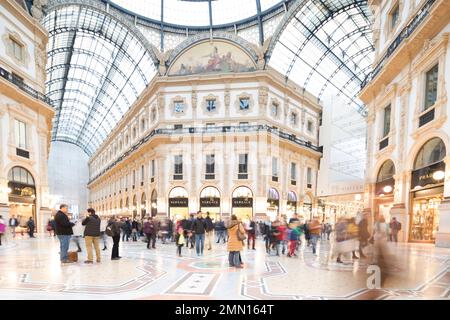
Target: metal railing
[[24, 87], [210, 130], [405, 34]]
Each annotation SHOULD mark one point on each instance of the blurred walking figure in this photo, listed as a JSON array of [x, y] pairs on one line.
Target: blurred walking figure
[[2, 228], [395, 227], [314, 228], [294, 236], [179, 240], [267, 235], [380, 252], [220, 230], [251, 233], [134, 230], [78, 230], [364, 235], [13, 224], [346, 238], [103, 224], [328, 230], [150, 232]]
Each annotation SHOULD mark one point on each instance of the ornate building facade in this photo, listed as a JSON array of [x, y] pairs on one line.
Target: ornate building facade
[[25, 115], [408, 168], [214, 132]]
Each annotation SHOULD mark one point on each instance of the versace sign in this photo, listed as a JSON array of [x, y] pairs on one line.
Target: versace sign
[[210, 202], [242, 202], [178, 202]]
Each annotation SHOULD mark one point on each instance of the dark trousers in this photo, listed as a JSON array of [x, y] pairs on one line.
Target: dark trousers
[[115, 248], [1, 238], [251, 236], [394, 236], [179, 246], [151, 237], [31, 232]]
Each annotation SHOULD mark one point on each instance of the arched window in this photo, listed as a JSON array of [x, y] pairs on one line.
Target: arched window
[[178, 192], [210, 192], [386, 171], [292, 197], [273, 194], [432, 151], [242, 192], [20, 175]]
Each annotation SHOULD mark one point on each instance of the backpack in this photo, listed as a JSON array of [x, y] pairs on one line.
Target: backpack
[[109, 232]]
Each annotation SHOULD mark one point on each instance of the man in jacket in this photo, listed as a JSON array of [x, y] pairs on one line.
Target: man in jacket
[[31, 226], [199, 228], [115, 227], [395, 228], [13, 224], [209, 230], [63, 229], [92, 235]]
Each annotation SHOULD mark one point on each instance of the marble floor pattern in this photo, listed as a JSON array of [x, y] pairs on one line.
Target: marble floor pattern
[[30, 269]]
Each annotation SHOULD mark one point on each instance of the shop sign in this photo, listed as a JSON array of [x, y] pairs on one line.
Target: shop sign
[[424, 176], [210, 202], [178, 202], [242, 202]]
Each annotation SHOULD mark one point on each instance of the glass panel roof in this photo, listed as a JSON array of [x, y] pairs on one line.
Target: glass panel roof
[[327, 48], [96, 69], [196, 12]]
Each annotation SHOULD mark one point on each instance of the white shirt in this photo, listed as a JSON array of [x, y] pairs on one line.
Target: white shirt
[[78, 228], [103, 224]]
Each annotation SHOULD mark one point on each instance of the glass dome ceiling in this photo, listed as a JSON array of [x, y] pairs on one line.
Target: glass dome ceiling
[[195, 12], [98, 65], [96, 68]]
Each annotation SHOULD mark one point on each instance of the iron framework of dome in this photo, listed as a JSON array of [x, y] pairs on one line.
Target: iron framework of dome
[[101, 56]]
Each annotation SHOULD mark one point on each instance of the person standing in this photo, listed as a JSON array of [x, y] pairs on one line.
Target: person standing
[[134, 230], [63, 229], [199, 229], [220, 230], [115, 226], [251, 234], [92, 235], [294, 236], [31, 226], [314, 228], [209, 230], [2, 228], [126, 229], [395, 227], [13, 223], [150, 231], [328, 229], [235, 244], [190, 232]]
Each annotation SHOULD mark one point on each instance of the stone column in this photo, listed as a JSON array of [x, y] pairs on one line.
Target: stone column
[[443, 235]]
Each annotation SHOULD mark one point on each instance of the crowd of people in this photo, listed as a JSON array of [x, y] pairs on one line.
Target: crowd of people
[[281, 237]]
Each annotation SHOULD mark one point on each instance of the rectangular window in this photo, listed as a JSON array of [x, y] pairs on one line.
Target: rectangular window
[[210, 105], [153, 167], [243, 163], [274, 110], [309, 178], [431, 85], [309, 126], [210, 165], [387, 121], [395, 15], [17, 49], [244, 103], [20, 129], [178, 126], [293, 171], [178, 165], [274, 166], [142, 173], [293, 118]]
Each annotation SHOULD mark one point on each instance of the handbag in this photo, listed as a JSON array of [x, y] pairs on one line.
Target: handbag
[[241, 235]]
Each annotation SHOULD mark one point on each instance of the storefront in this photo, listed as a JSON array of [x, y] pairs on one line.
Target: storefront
[[384, 190], [154, 203], [427, 183], [291, 206], [210, 202], [273, 204], [178, 203], [22, 198], [242, 203]]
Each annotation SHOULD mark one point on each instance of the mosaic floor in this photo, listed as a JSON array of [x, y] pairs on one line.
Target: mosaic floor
[[30, 269]]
